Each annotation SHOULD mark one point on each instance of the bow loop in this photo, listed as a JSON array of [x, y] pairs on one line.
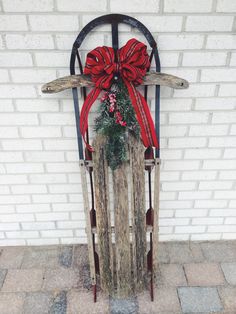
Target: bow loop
[[131, 62]]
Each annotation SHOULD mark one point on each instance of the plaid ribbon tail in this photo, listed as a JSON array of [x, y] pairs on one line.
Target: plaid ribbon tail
[[89, 101], [143, 116]]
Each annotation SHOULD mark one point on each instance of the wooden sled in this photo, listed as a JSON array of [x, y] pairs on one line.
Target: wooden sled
[[123, 237]]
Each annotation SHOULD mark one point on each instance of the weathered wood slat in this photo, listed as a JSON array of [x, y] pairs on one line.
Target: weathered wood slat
[[156, 214], [137, 182], [79, 80], [122, 235], [101, 183], [88, 224]]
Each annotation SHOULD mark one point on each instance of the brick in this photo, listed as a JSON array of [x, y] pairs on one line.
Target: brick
[[28, 189], [47, 178], [51, 216], [181, 165], [222, 212], [230, 220], [17, 91], [172, 6], [215, 185], [166, 300], [214, 104], [11, 157], [204, 274], [187, 142], [32, 76], [53, 22], [228, 297], [188, 117], [194, 299], [204, 59], [67, 167], [219, 164], [37, 105], [202, 153], [11, 303], [199, 175], [169, 59], [17, 217], [232, 131], [9, 132], [60, 279], [75, 306], [206, 237], [180, 42], [221, 41], [135, 6], [4, 76], [180, 252], [207, 221], [21, 234], [24, 168], [178, 186], [11, 257], [209, 23], [18, 280], [13, 179], [224, 117], [65, 188], [15, 59], [229, 272], [162, 23], [65, 42], [206, 130], [171, 154], [43, 156], [172, 275], [174, 221], [60, 144], [189, 229], [218, 75], [191, 213], [24, 144], [39, 132], [41, 257], [196, 90], [225, 194], [13, 22], [72, 6], [222, 141], [210, 204], [9, 226], [226, 228], [58, 119], [233, 59], [48, 198], [28, 6], [29, 41], [38, 225], [226, 6], [38, 302], [52, 59], [227, 90], [51, 241]]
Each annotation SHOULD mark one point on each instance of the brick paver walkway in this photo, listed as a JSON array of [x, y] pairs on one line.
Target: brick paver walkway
[[192, 278]]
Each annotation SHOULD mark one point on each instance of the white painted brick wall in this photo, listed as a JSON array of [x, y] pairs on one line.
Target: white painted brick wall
[[40, 187]]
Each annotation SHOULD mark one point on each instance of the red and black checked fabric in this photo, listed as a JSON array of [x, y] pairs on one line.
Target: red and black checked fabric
[[132, 64]]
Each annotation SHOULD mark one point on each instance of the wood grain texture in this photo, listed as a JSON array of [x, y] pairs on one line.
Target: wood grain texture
[[88, 224], [101, 183], [151, 78], [122, 234], [137, 190]]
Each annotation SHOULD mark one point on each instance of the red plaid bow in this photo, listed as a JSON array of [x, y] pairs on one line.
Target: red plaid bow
[[132, 64]]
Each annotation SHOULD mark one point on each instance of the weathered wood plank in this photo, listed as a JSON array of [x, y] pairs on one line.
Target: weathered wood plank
[[137, 182], [156, 214], [88, 224], [101, 182], [79, 80], [122, 235]]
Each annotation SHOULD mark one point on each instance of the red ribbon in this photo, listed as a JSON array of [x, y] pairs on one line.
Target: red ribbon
[[132, 64]]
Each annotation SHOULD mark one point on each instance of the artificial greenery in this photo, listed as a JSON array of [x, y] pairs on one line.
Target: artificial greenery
[[116, 119]]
